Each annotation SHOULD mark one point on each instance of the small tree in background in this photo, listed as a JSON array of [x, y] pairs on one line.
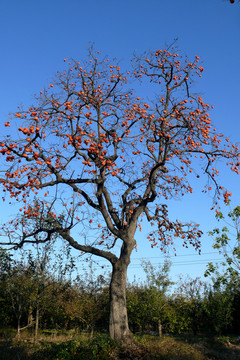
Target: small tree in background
[[100, 158], [28, 283], [218, 308], [190, 294], [147, 302], [225, 292], [21, 292], [6, 311], [227, 242]]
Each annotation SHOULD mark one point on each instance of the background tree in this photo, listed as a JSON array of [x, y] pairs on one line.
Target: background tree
[[21, 290], [147, 302], [158, 284], [227, 242], [226, 277], [100, 158], [218, 308], [190, 293], [6, 311], [28, 285], [93, 296]]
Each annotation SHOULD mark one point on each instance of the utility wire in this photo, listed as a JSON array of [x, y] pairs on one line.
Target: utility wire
[[179, 263], [183, 255]]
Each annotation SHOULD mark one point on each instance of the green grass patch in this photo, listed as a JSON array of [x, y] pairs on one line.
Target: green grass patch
[[102, 347]]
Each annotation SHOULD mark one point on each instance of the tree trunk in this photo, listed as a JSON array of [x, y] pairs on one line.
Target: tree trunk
[[30, 316], [159, 328], [19, 328], [92, 332], [118, 320], [19, 315], [36, 324]]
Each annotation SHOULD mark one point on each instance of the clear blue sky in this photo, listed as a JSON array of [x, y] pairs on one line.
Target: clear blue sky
[[37, 35]]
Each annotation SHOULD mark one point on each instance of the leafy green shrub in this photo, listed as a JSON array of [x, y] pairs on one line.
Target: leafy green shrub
[[97, 348], [67, 350], [101, 345]]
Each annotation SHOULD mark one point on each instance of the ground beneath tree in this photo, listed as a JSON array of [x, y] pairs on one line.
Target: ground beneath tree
[[145, 348]]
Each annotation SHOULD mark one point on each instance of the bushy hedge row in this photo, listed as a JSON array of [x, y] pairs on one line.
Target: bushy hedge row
[[83, 304]]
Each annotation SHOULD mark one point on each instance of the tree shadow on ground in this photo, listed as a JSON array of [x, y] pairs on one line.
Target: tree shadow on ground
[[10, 351]]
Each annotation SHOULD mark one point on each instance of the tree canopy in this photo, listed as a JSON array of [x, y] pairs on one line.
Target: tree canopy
[[115, 151], [94, 155]]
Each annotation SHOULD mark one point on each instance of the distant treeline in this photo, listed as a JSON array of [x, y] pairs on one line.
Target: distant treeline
[[37, 294]]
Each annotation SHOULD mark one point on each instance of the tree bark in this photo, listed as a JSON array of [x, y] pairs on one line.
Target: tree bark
[[36, 324], [19, 328], [19, 315], [30, 316], [118, 319], [159, 328]]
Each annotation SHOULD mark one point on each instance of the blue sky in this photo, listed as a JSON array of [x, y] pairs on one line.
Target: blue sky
[[37, 35]]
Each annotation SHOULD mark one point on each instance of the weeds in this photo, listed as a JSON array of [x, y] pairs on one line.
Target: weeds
[[101, 347]]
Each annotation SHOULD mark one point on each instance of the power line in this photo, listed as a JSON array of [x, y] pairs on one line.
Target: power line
[[174, 257], [179, 263], [183, 255], [183, 263]]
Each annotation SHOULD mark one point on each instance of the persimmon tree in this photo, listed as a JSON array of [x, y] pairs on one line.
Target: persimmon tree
[[100, 159]]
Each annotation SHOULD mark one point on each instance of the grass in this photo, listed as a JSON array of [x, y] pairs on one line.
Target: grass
[[193, 348], [70, 346]]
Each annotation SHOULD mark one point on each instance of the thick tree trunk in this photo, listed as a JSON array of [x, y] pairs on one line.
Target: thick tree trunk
[[118, 321]]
